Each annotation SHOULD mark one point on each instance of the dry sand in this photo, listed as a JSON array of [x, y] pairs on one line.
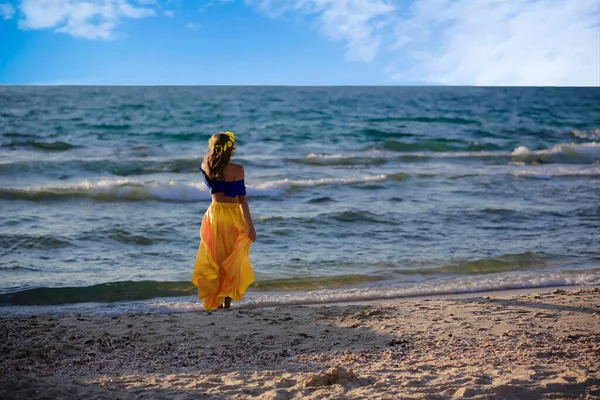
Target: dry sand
[[519, 346]]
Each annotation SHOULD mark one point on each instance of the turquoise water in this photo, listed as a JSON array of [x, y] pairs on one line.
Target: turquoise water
[[357, 193]]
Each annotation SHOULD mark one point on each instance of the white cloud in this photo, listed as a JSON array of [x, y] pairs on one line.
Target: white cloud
[[495, 42], [463, 42], [169, 13], [193, 26], [7, 11], [358, 23], [91, 19]]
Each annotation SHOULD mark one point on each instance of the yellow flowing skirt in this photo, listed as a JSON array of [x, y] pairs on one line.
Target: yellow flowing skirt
[[222, 268]]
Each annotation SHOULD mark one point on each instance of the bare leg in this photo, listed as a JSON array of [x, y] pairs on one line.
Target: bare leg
[[227, 302]]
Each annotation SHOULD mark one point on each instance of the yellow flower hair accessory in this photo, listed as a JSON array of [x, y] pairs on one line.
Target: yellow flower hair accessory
[[225, 146]]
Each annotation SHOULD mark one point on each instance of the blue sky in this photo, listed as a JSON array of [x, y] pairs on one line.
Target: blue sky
[[300, 42]]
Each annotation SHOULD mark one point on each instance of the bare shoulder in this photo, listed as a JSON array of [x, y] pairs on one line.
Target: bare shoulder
[[236, 171]]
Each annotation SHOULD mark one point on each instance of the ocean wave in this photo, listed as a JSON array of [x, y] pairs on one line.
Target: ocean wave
[[128, 189], [420, 156], [439, 145], [21, 135], [337, 159], [39, 145], [332, 218], [105, 126], [40, 301], [142, 290], [319, 200], [356, 217], [377, 133], [17, 268], [112, 190], [120, 234], [14, 242], [550, 173], [160, 135], [506, 262], [430, 120], [311, 283], [139, 167], [560, 153], [462, 285], [280, 186], [121, 168], [593, 134], [133, 190]]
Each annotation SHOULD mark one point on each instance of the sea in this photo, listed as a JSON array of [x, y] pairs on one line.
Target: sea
[[357, 193]]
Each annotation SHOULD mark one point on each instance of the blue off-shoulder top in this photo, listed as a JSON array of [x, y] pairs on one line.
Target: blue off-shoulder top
[[230, 189]]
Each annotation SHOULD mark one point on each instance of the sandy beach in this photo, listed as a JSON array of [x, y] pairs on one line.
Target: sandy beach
[[538, 345]]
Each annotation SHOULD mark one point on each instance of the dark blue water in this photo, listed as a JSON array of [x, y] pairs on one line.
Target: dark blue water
[[357, 193]]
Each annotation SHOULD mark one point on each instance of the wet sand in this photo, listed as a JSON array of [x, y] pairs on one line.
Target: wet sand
[[535, 345]]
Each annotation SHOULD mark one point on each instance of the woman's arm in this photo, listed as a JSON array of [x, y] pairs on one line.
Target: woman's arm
[[245, 209], [248, 217]]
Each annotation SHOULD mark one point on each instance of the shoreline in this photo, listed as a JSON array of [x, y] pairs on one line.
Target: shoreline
[[444, 296], [541, 344], [85, 308]]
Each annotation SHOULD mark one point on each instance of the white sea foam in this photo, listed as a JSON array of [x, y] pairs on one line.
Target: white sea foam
[[365, 158], [137, 190], [589, 134], [115, 189], [548, 172], [456, 154], [328, 156], [470, 284], [278, 187], [286, 183], [128, 189], [560, 153]]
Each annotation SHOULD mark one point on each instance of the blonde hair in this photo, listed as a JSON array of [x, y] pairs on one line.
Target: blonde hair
[[220, 149]]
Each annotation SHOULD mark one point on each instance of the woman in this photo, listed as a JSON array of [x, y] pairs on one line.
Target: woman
[[222, 270]]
